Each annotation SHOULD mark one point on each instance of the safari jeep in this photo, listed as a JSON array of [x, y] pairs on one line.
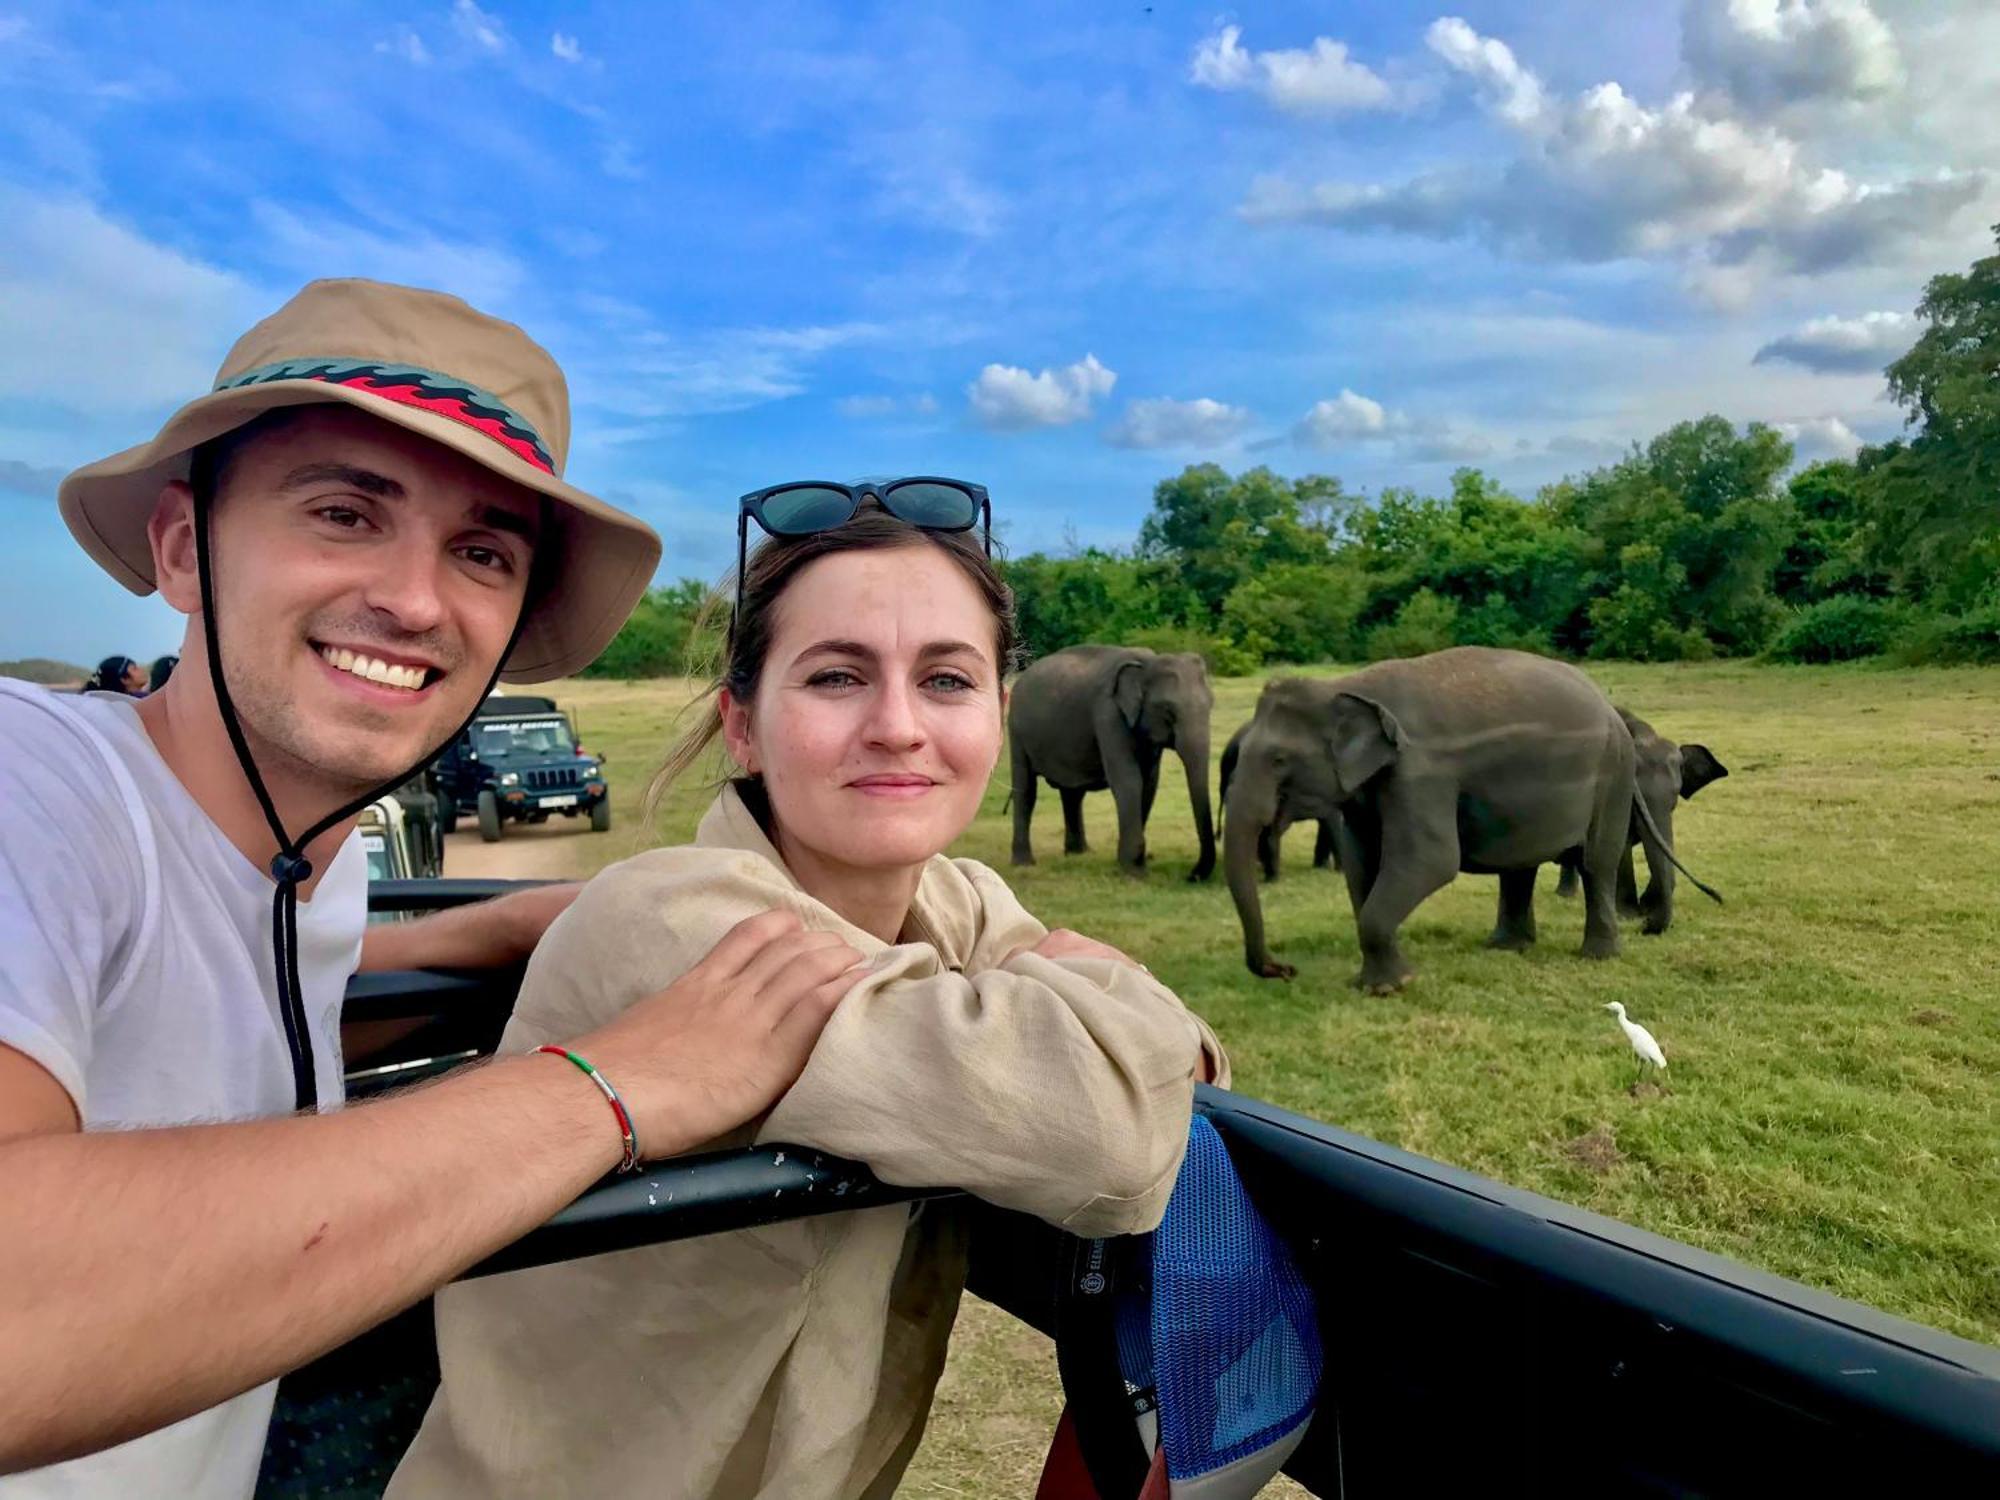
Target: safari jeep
[[519, 762]]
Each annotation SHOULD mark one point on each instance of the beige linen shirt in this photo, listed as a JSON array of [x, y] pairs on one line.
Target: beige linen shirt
[[797, 1361]]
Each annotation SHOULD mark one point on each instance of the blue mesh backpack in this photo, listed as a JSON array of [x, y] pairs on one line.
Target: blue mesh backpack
[[1190, 1357]]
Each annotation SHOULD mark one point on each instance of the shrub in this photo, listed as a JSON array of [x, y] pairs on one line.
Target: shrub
[[1635, 624], [1948, 640], [1496, 622], [1225, 657], [666, 636], [1845, 627], [1296, 613], [1425, 623]]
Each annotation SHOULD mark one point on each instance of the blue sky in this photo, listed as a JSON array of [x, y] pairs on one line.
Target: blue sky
[[1061, 250]]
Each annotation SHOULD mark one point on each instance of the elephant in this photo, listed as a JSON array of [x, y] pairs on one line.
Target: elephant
[[1666, 773], [1472, 759], [1090, 717], [1326, 850]]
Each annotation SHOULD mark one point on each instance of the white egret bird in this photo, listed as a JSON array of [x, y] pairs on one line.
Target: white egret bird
[[1640, 1038]]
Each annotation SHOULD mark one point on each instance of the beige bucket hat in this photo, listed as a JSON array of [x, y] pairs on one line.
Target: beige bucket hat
[[432, 364]]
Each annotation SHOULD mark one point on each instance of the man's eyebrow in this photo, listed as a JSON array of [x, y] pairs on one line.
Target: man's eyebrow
[[365, 480], [506, 520], [384, 488]]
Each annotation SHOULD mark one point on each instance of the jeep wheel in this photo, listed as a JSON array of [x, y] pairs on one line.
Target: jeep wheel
[[489, 816], [448, 818], [600, 815]]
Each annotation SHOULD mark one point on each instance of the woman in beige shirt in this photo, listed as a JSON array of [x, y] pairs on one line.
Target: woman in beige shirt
[[863, 705]]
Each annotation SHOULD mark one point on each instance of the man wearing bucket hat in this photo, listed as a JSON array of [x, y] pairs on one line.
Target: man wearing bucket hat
[[366, 524]]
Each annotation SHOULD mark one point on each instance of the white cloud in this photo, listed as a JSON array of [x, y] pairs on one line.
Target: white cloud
[[1511, 91], [1008, 399], [397, 251], [97, 318], [1844, 345], [1324, 80], [1162, 423], [1820, 437], [407, 45], [1441, 443], [1346, 418], [1350, 419], [568, 48], [1603, 177], [1767, 55], [478, 27], [886, 408], [628, 368]]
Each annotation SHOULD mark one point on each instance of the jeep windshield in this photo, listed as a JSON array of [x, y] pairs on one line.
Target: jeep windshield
[[523, 739]]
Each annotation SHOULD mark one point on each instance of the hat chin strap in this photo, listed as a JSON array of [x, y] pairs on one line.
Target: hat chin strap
[[289, 866]]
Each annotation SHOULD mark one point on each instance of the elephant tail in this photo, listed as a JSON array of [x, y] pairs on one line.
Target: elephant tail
[[1646, 813], [1010, 802]]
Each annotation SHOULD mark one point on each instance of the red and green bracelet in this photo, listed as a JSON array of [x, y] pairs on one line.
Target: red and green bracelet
[[625, 1131]]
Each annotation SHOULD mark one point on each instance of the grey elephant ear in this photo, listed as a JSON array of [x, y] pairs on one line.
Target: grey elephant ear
[[1128, 691], [1698, 768], [1365, 740]]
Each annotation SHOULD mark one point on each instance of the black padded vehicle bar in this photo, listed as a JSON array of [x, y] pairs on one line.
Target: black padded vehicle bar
[[697, 1195]]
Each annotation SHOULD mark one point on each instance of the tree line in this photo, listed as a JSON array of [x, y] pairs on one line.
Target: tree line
[[1697, 544]]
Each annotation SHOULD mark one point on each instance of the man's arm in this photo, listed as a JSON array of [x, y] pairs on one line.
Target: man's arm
[[148, 1274], [484, 934]]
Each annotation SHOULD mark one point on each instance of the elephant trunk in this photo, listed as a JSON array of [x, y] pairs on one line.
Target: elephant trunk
[[1193, 749], [1246, 816]]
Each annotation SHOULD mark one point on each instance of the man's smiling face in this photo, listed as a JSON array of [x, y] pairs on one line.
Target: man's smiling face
[[367, 581]]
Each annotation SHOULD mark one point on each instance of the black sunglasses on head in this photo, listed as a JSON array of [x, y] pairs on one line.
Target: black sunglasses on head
[[807, 506]]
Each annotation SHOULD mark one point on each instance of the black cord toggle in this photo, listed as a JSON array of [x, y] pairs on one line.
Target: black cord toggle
[[290, 869]]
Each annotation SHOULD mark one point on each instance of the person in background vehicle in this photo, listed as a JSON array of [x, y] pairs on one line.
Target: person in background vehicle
[[118, 674], [365, 524], [161, 669], [1042, 1071]]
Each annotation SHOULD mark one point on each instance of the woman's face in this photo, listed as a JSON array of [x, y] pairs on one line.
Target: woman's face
[[877, 719]]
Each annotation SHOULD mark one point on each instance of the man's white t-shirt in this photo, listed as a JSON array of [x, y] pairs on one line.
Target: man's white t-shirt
[[136, 965]]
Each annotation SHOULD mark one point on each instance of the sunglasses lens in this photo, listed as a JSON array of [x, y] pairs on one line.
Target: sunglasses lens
[[805, 510], [942, 507]]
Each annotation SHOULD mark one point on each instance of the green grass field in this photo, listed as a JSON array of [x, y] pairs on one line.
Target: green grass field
[[1831, 1113]]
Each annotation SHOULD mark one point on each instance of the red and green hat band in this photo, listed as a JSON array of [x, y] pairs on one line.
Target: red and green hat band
[[426, 390]]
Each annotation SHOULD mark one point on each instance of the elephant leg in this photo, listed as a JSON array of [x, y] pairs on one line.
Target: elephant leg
[[1412, 853], [1600, 889], [1073, 840], [1628, 887], [1149, 788], [1515, 928], [1399, 889], [1359, 860], [1024, 805], [1126, 775], [1657, 905], [1566, 887], [1267, 852], [1325, 850]]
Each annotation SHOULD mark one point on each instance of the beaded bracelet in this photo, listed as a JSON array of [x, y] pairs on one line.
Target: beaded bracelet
[[631, 1161]]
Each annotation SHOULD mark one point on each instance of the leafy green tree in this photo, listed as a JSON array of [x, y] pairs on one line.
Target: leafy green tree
[[1298, 612], [672, 632], [1828, 552], [1937, 518], [1685, 535], [1214, 531], [1092, 596]]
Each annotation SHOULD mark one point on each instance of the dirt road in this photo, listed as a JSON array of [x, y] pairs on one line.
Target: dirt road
[[551, 851]]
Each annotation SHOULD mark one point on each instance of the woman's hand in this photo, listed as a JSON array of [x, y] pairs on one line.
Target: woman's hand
[[720, 1044], [1063, 943]]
